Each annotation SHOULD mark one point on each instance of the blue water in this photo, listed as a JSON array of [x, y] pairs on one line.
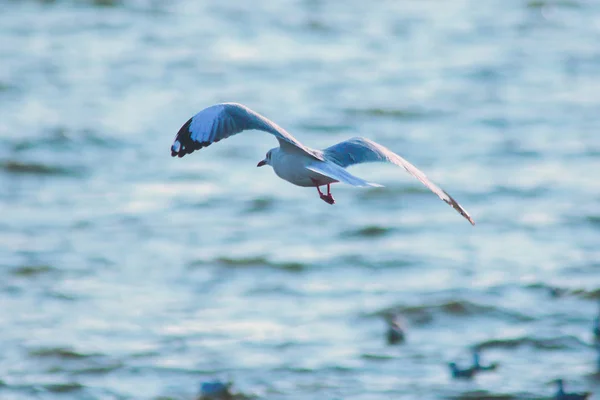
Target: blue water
[[128, 274]]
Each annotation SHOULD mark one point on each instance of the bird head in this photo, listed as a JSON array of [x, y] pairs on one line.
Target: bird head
[[267, 160]]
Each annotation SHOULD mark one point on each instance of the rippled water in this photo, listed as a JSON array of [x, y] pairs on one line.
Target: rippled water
[[127, 274]]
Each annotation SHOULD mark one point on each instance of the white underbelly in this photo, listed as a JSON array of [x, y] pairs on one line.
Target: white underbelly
[[292, 168]]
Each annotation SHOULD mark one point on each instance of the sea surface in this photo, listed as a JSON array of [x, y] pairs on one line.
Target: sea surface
[[128, 274]]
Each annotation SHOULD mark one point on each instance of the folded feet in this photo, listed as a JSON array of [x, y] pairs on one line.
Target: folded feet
[[327, 198]]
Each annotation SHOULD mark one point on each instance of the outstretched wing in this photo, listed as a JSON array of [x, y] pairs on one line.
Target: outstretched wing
[[360, 150], [220, 121]]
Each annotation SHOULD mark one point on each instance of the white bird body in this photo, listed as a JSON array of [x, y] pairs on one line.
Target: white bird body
[[293, 161], [292, 167]]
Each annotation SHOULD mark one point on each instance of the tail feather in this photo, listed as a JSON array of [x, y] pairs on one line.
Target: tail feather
[[338, 173]]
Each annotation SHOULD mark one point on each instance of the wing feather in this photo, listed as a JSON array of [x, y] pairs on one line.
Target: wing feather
[[221, 121], [361, 150], [218, 125]]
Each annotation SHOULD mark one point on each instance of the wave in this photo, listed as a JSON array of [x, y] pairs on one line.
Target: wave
[[370, 231], [485, 395], [32, 270], [326, 128], [394, 113], [359, 260], [32, 168], [555, 291], [66, 387], [64, 353], [520, 192], [75, 362], [96, 3], [423, 314], [61, 138], [393, 192], [556, 343], [260, 204], [377, 356], [593, 220], [248, 262]]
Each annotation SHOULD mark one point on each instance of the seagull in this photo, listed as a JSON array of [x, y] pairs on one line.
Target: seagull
[[462, 373], [469, 373], [562, 395], [477, 365], [293, 161], [396, 332], [215, 390]]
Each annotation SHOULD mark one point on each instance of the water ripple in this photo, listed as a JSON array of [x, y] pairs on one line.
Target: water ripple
[[130, 274]]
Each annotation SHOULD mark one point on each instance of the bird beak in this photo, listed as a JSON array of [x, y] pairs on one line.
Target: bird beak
[[260, 164]]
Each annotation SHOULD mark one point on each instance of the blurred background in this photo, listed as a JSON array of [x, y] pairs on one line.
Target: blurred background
[[128, 274]]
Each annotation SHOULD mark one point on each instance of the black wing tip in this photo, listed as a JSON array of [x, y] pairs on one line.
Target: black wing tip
[[184, 144], [454, 204], [466, 215], [183, 150], [462, 211]]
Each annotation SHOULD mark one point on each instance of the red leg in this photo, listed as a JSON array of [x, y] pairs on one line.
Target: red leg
[[328, 198]]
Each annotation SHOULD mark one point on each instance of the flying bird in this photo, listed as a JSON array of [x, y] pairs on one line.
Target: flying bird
[[293, 161]]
